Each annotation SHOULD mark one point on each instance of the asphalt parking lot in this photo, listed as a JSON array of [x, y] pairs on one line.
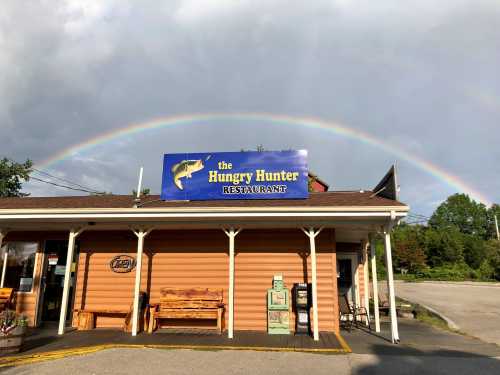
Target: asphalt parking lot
[[194, 362], [473, 307]]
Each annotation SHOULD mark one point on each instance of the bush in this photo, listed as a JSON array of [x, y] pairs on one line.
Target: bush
[[486, 271], [449, 272]]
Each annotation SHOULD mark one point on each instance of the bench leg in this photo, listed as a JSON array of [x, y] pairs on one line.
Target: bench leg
[[86, 321], [219, 320], [145, 322], [152, 319]]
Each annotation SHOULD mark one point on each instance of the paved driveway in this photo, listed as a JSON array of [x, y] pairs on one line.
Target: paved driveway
[[189, 362], [474, 307]]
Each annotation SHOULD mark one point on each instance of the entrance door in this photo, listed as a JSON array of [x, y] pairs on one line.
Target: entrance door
[[53, 279], [346, 276]]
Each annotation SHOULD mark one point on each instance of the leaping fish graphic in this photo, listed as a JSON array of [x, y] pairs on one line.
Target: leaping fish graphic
[[185, 169]]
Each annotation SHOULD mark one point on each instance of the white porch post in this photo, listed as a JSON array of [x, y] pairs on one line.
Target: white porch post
[[312, 244], [141, 234], [73, 234], [376, 312], [366, 276], [231, 233], [390, 287], [3, 233]]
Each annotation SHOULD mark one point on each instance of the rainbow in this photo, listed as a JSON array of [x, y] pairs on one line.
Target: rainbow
[[313, 123]]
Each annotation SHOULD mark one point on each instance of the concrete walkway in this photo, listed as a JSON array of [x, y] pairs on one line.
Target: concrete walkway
[[473, 307]]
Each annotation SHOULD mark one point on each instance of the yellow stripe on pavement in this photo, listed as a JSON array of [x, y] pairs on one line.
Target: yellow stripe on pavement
[[59, 354]]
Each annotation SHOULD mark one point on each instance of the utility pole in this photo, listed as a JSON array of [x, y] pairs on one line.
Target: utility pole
[[496, 226]]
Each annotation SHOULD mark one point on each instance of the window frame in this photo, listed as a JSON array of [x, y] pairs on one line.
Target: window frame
[[35, 264]]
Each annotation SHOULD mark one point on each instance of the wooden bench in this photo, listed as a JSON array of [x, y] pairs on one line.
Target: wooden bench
[[6, 296], [194, 303], [87, 317]]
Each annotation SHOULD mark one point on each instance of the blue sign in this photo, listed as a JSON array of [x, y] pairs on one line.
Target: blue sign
[[235, 175]]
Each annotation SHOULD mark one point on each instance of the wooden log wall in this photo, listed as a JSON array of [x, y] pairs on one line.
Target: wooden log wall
[[188, 259]]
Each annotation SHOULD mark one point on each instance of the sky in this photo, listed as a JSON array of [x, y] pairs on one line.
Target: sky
[[421, 76]]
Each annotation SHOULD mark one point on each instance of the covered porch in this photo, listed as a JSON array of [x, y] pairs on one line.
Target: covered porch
[[43, 340], [358, 225]]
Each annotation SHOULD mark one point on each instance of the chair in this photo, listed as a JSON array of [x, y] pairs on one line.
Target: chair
[[383, 304], [352, 312]]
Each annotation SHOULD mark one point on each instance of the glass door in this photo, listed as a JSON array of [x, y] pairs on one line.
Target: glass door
[[53, 279], [345, 277]]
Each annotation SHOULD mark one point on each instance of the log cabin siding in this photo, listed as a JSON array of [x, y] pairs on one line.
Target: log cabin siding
[[200, 258], [262, 254]]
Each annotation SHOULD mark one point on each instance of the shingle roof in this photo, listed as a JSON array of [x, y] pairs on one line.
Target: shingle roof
[[326, 199]]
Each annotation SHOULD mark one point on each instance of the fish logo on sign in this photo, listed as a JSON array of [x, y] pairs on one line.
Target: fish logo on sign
[[185, 169]]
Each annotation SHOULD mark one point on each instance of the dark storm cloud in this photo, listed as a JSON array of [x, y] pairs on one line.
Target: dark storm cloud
[[422, 76]]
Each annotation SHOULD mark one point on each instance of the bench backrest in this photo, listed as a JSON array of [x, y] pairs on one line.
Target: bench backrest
[[192, 298], [6, 295]]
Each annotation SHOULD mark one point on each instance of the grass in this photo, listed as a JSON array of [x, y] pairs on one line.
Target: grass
[[425, 316]]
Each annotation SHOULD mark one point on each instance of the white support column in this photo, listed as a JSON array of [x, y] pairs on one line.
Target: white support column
[[73, 234], [231, 233], [312, 244], [390, 287], [366, 276], [141, 234], [376, 312], [3, 233]]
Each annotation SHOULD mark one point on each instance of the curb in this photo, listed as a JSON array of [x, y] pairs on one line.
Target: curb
[[451, 324], [20, 360], [491, 284]]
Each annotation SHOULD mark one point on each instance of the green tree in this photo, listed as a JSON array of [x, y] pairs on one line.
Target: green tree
[[493, 257], [144, 192], [474, 250], [463, 213], [443, 246], [12, 175], [409, 250]]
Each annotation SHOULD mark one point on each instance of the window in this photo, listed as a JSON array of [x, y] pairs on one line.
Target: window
[[20, 265]]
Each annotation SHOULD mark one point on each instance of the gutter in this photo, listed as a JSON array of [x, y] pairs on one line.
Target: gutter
[[168, 210], [197, 215]]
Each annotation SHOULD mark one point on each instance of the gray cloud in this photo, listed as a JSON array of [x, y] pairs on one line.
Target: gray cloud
[[422, 76]]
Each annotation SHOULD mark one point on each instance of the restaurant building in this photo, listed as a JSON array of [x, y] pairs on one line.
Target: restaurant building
[[67, 254]]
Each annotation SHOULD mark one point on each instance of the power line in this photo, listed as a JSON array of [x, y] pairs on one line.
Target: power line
[[64, 180], [418, 215], [416, 219], [65, 186], [79, 187]]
